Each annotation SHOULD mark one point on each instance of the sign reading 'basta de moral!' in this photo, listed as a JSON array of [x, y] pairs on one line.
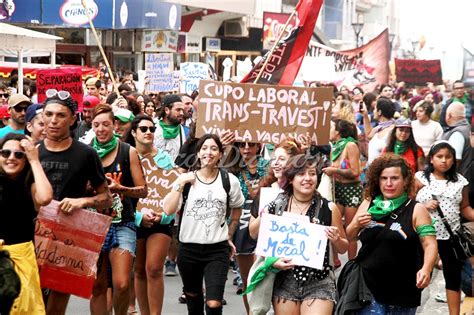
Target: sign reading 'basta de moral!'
[[264, 113]]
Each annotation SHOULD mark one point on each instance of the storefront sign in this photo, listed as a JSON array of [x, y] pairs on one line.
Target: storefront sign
[[213, 44], [160, 41], [20, 11], [264, 113], [147, 14], [193, 44], [72, 13], [159, 70]]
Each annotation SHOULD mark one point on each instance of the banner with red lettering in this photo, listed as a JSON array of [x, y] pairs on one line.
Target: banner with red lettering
[[273, 24], [365, 66], [65, 79], [418, 72], [68, 247], [285, 62]]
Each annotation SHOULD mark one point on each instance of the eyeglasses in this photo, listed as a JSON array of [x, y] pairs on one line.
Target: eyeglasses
[[20, 109], [242, 144], [458, 87], [17, 154], [63, 95], [5, 95], [146, 128]]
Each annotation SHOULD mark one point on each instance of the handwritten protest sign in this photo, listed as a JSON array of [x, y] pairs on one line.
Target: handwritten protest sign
[[287, 237], [67, 248], [159, 69], [159, 183], [191, 74], [264, 113], [418, 72], [64, 79]]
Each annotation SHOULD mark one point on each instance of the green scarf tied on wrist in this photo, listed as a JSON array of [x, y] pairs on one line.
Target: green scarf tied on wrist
[[400, 147], [382, 208], [169, 131], [105, 148], [339, 146]]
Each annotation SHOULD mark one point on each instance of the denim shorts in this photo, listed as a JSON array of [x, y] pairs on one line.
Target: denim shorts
[[287, 288], [127, 239]]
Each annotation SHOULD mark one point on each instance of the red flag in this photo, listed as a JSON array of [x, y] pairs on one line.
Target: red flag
[[286, 59]]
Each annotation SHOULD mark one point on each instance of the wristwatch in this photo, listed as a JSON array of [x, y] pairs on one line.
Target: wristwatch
[[177, 187]]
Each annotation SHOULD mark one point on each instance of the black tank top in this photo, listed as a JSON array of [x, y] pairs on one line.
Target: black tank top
[[390, 268], [119, 169]]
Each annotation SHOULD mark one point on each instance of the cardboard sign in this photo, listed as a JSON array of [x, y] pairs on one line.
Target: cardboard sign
[[264, 113], [290, 237], [159, 183], [159, 69], [64, 79], [68, 247], [191, 74], [418, 72]]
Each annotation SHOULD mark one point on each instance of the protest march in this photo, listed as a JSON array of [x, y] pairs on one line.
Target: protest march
[[173, 157]]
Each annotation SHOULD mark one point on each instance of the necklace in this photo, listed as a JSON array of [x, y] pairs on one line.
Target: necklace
[[306, 204]]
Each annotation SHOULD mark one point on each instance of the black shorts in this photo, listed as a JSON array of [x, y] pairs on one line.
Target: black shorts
[[144, 233]]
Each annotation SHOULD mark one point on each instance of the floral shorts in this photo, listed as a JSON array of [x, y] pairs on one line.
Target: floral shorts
[[348, 194]]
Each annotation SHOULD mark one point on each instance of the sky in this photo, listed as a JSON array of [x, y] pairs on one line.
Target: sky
[[447, 26]]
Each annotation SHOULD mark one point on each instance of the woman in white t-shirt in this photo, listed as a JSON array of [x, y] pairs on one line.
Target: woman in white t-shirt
[[425, 130], [204, 235]]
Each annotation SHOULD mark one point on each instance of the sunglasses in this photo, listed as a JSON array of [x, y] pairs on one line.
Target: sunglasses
[[242, 144], [20, 109], [62, 95], [7, 153], [5, 95], [146, 128]]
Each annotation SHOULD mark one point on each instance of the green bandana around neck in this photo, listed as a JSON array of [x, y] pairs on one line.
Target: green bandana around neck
[[105, 148], [400, 147], [169, 131], [339, 146], [382, 208], [462, 99]]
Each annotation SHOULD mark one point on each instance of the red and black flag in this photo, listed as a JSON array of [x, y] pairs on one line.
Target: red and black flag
[[286, 59]]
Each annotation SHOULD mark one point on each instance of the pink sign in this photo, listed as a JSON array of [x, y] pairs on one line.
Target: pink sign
[[273, 25]]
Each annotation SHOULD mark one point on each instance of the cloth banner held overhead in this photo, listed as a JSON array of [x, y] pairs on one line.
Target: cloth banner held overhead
[[418, 72], [365, 66], [68, 247], [285, 62], [468, 69], [264, 113]]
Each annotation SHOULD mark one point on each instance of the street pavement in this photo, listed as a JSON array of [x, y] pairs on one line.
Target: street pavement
[[429, 306]]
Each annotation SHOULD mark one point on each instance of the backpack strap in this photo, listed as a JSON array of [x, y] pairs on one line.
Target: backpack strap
[[226, 184], [186, 189]]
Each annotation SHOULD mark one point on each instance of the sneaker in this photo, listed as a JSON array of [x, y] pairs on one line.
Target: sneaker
[[237, 280], [182, 298], [239, 289], [170, 269], [441, 297]]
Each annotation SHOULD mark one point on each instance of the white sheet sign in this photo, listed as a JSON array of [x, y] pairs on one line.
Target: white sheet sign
[[282, 236]]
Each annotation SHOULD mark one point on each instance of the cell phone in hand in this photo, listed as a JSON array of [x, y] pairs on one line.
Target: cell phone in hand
[[361, 106]]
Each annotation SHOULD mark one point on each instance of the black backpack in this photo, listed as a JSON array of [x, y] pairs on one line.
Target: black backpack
[[10, 284], [225, 184]]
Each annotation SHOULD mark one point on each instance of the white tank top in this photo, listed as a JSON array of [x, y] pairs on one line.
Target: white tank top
[[376, 145]]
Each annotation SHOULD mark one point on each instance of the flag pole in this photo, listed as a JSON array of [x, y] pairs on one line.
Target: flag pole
[[109, 69], [274, 46]]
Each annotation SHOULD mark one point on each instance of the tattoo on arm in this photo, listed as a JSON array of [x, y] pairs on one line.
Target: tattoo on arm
[[136, 192], [233, 227]]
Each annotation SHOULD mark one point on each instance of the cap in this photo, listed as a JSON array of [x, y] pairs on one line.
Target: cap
[[16, 99], [403, 122], [90, 101], [170, 99], [4, 112], [124, 115], [32, 111]]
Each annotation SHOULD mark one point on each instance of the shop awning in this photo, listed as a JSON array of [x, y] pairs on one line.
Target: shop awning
[[246, 7]]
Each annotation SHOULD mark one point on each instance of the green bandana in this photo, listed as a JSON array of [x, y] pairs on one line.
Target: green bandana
[[105, 148], [260, 273], [382, 208], [169, 131], [462, 99], [399, 147], [339, 146]]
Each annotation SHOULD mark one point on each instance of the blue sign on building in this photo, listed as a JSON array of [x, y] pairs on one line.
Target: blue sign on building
[[147, 14], [21, 11]]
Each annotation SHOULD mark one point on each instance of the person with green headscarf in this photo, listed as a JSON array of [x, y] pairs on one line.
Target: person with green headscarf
[[398, 239], [126, 181], [402, 142], [345, 169]]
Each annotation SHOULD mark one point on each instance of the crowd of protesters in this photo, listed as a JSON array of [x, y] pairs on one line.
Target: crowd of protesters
[[409, 148]]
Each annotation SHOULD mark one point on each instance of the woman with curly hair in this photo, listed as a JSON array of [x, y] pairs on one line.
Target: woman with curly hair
[[394, 230], [402, 142]]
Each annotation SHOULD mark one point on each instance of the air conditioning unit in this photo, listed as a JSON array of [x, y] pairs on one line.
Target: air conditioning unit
[[236, 28]]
